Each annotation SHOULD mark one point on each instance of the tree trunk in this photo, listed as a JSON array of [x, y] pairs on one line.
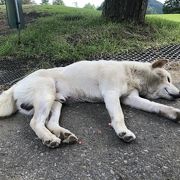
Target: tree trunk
[[125, 10]]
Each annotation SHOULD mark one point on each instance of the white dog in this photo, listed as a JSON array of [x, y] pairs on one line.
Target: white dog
[[42, 93]]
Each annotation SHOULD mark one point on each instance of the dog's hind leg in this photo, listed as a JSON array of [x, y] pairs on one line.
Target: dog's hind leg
[[53, 125], [111, 99], [42, 107]]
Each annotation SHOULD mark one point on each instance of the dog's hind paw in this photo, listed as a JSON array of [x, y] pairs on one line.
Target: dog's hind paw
[[65, 135], [70, 138], [52, 143], [127, 136]]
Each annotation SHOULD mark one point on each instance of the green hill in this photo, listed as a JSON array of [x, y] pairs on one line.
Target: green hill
[[154, 7]]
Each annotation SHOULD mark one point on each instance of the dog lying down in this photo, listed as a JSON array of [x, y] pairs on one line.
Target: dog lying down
[[43, 92]]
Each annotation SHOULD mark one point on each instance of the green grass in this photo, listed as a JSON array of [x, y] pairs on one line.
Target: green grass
[[170, 17], [74, 34]]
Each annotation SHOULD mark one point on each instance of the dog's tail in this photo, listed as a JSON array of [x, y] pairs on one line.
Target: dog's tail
[[7, 103]]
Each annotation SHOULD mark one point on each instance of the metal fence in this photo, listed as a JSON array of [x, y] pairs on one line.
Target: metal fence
[[11, 70]]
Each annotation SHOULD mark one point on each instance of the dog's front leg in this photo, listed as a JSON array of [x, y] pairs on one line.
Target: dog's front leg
[[111, 99], [137, 102]]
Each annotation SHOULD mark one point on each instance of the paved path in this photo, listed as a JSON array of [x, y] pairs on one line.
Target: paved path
[[154, 155]]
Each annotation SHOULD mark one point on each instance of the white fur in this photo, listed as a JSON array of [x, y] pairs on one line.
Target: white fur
[[107, 81], [7, 103]]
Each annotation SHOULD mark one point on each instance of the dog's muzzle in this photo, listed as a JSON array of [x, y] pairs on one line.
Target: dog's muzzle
[[175, 96]]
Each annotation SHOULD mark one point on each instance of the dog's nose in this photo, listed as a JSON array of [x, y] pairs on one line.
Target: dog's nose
[[179, 95], [175, 95]]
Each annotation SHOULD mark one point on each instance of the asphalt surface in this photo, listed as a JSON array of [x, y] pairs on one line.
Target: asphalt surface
[[154, 155]]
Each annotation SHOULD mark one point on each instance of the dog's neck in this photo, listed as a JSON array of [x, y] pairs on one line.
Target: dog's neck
[[139, 78]]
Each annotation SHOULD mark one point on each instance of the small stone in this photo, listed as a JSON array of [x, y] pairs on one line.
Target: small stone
[[147, 168], [99, 131], [103, 174], [112, 172], [83, 155], [165, 167], [84, 167], [125, 161], [57, 175], [131, 154]]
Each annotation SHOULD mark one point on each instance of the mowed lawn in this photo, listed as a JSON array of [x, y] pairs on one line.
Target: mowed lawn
[[170, 17], [73, 34]]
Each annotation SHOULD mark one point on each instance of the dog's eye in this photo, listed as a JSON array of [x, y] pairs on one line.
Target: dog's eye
[[168, 79]]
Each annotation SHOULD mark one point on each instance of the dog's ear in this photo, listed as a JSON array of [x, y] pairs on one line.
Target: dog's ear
[[159, 63]]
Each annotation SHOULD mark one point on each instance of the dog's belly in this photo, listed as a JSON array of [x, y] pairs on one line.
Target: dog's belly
[[78, 91]]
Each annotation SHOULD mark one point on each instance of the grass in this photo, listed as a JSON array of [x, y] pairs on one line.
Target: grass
[[74, 34], [170, 17]]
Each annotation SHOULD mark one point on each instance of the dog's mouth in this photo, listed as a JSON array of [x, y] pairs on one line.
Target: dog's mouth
[[173, 96]]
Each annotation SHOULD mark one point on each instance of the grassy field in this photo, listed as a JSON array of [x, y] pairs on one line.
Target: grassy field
[[169, 17], [74, 34]]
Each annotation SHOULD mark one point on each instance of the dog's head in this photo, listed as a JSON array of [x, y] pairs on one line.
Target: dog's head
[[160, 83]]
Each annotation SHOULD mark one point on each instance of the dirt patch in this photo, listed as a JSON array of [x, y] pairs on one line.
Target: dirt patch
[[28, 17], [3, 24], [32, 16], [74, 39]]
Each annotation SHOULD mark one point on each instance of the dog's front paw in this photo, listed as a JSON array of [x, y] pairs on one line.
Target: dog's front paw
[[127, 136], [52, 142]]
